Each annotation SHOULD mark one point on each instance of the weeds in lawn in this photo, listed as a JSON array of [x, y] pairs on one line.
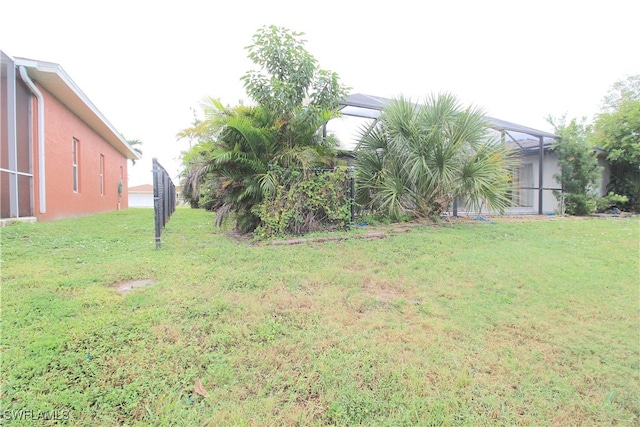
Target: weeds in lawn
[[463, 324]]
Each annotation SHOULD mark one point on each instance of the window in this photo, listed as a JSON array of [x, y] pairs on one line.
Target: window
[[75, 147], [101, 175]]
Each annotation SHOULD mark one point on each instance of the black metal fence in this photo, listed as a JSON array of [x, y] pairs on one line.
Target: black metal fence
[[164, 198]]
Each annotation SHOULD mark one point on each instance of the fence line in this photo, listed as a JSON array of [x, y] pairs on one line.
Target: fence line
[[164, 198]]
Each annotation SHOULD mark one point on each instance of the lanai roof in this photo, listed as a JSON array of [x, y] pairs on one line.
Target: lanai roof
[[369, 107]]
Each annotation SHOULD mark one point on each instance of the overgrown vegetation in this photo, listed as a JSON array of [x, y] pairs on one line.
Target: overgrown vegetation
[[419, 157], [579, 174], [304, 201], [617, 129], [230, 167], [475, 323]]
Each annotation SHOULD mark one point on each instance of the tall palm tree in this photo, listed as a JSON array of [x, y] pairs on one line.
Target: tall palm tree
[[418, 158]]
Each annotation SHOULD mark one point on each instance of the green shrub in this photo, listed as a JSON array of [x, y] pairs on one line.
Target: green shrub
[[611, 201], [577, 204], [303, 202]]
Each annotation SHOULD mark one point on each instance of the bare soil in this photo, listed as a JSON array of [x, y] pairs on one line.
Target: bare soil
[[124, 288]]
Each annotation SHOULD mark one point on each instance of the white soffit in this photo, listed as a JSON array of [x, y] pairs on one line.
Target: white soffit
[[56, 81]]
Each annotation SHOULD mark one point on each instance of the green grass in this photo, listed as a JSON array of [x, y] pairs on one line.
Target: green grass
[[533, 323]]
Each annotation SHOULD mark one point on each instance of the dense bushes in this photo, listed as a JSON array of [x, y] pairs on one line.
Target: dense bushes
[[304, 201], [237, 164]]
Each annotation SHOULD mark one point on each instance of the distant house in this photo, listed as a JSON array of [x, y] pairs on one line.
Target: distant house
[[60, 156], [141, 196]]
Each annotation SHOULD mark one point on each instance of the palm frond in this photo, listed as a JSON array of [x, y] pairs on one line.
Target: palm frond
[[417, 158]]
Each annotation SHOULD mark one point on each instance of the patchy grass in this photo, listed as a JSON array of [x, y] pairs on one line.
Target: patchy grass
[[463, 324]]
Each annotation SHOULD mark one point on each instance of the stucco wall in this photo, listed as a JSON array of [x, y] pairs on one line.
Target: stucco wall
[[61, 127]]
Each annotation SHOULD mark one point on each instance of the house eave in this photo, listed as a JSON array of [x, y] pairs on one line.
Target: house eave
[[55, 80]]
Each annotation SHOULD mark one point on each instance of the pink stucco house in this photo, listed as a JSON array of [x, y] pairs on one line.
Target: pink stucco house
[[60, 157]]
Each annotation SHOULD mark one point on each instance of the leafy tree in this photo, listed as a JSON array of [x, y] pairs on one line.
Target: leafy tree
[[617, 130], [288, 76], [230, 167], [418, 158], [579, 171], [623, 90]]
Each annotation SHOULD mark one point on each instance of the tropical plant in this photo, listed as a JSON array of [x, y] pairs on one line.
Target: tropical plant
[[230, 168], [223, 171], [579, 171], [135, 146], [419, 157]]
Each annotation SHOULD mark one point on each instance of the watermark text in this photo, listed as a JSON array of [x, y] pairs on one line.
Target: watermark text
[[31, 415]]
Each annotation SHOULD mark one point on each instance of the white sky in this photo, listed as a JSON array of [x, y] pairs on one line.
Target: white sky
[[146, 64]]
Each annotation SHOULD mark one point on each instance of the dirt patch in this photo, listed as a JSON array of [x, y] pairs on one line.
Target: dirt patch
[[239, 237], [371, 235], [384, 292], [124, 288]]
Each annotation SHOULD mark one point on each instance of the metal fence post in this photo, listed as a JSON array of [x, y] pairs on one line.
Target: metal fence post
[[352, 185], [164, 196]]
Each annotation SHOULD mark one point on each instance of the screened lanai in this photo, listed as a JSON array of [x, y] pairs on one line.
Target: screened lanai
[[533, 177]]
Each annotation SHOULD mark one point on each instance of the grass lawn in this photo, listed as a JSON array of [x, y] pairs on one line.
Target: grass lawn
[[512, 323]]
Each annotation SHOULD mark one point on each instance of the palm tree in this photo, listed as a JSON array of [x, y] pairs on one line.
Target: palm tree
[[135, 146], [418, 158], [231, 167]]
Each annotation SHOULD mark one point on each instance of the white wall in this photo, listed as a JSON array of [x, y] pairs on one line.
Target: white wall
[[140, 200]]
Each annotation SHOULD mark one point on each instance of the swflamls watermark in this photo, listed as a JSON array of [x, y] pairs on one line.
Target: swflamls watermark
[[25, 414]]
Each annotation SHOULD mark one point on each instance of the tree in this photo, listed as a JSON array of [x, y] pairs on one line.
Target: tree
[[224, 171], [135, 146], [617, 130], [623, 90], [289, 82], [418, 158], [579, 171], [230, 168]]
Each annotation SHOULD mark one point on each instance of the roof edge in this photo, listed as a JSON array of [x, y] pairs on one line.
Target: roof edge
[[115, 138], [359, 100]]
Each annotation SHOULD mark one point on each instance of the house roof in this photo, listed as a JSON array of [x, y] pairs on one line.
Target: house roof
[[369, 106], [144, 188], [55, 80]]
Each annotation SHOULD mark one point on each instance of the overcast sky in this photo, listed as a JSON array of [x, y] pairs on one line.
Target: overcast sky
[[147, 64]]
